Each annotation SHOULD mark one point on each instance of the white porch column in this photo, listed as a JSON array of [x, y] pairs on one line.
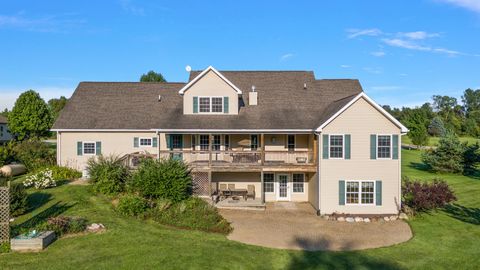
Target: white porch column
[[262, 192]]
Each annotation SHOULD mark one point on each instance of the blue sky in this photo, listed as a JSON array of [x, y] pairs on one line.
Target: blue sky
[[402, 51]]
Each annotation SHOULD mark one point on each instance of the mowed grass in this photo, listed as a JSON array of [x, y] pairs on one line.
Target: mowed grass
[[433, 141], [442, 240]]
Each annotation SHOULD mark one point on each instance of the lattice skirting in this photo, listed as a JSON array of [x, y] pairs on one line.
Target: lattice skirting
[[201, 184], [4, 214]]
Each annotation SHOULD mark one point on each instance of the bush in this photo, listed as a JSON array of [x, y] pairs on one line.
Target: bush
[[422, 196], [64, 173], [63, 224], [18, 199], [6, 154], [34, 154], [168, 179], [4, 247], [471, 157], [436, 127], [132, 205], [40, 180], [447, 157], [107, 174], [193, 213]]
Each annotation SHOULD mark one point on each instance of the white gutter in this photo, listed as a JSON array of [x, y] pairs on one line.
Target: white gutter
[[283, 131]]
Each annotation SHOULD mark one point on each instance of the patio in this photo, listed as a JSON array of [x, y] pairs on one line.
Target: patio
[[240, 203]]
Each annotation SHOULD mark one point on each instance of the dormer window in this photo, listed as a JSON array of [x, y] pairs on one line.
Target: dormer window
[[211, 104]]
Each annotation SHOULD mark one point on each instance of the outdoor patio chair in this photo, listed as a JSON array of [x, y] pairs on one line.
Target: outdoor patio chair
[[231, 186], [251, 191], [224, 192]]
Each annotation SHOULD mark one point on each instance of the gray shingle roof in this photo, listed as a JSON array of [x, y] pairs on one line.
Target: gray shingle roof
[[3, 119], [283, 103]]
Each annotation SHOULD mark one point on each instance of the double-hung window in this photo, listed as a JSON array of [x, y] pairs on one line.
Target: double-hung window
[[298, 182], [217, 104], [204, 142], [89, 148], [268, 183], [253, 142], [360, 192], [216, 143], [146, 142], [384, 146], [291, 142], [204, 104], [211, 104], [336, 146]]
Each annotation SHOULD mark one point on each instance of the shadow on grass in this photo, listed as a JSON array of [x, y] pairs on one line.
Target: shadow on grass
[[465, 214], [37, 200], [419, 166], [333, 260]]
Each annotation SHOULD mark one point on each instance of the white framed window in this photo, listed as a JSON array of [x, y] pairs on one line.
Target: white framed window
[[145, 142], [216, 143], [360, 192], [89, 148], [291, 142], [384, 146], [204, 142], [268, 183], [210, 104], [204, 104], [336, 146], [298, 182], [217, 104], [177, 141]]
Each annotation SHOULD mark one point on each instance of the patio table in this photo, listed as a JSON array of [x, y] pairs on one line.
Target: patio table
[[239, 192]]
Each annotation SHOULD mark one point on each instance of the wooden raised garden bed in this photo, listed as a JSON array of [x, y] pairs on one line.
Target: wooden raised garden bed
[[35, 243]]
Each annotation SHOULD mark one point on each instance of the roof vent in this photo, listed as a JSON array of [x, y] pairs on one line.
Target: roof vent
[[159, 98], [304, 85], [253, 88], [252, 97]]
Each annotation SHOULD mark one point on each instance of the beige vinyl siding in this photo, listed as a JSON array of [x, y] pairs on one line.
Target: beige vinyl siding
[[113, 143], [210, 85], [313, 190], [360, 120]]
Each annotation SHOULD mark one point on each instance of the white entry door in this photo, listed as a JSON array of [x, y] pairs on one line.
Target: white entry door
[[283, 187]]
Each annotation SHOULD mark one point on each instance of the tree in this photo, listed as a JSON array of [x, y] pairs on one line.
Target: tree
[[416, 120], [436, 127], [448, 156], [5, 112], [471, 101], [30, 116], [471, 158], [152, 76], [56, 105]]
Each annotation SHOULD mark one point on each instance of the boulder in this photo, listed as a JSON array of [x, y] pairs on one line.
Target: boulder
[[403, 216], [341, 219], [393, 218], [367, 220], [13, 169], [386, 218], [358, 219], [95, 227], [350, 219]]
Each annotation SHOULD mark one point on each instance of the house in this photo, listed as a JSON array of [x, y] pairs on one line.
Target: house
[[293, 137], [4, 132]]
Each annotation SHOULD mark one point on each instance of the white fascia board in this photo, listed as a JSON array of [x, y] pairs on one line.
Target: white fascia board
[[247, 131], [101, 130], [210, 68], [373, 103]]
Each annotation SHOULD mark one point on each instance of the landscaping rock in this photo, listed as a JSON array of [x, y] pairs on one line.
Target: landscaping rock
[[403, 216], [341, 219], [367, 220], [392, 218], [350, 219], [386, 218], [358, 219], [95, 227]]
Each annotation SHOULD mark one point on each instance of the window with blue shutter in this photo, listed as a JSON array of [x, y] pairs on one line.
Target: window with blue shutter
[[378, 192], [135, 142], [154, 142], [373, 146], [98, 148], [195, 104], [341, 192], [79, 148], [225, 104], [347, 146], [395, 146], [325, 146]]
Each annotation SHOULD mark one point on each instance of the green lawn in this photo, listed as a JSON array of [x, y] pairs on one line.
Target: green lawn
[[443, 240], [432, 141]]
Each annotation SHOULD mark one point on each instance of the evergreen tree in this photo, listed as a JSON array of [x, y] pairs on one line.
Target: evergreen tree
[[448, 156]]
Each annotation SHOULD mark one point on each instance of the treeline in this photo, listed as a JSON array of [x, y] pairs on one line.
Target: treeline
[[443, 114]]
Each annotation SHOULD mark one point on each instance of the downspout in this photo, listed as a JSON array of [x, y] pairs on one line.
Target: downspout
[[318, 170]]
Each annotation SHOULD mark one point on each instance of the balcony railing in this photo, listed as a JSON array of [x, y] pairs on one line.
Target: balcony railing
[[232, 158]]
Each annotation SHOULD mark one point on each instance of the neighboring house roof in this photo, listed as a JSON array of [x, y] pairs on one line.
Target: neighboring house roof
[[3, 120], [283, 103]]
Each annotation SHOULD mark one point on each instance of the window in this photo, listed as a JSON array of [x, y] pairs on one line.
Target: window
[[177, 141], [298, 182], [360, 192], [226, 141], [194, 142], [336, 146], [253, 142], [205, 104], [145, 142], [89, 148], [384, 146], [204, 142], [217, 104], [216, 143], [291, 142], [268, 185]]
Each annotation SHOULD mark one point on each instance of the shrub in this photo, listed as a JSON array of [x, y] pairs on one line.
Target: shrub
[[471, 157], [447, 157], [40, 180], [107, 174], [64, 173], [422, 196], [63, 224], [169, 179], [34, 154], [436, 127], [4, 247], [194, 213], [18, 199], [6, 154], [132, 205]]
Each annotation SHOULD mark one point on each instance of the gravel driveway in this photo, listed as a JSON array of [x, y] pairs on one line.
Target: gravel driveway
[[296, 226]]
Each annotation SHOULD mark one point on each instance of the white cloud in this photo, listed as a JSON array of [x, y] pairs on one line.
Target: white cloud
[[134, 9], [385, 88], [403, 74], [375, 70], [418, 35], [286, 56], [449, 52], [363, 32], [51, 23], [10, 94], [396, 42], [345, 66], [473, 5], [378, 54]]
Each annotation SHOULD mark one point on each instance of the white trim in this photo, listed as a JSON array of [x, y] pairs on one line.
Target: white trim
[[100, 130], [293, 183], [94, 148], [265, 192], [277, 196], [145, 138], [343, 146], [373, 103], [233, 131], [210, 68], [211, 104], [360, 193], [391, 148]]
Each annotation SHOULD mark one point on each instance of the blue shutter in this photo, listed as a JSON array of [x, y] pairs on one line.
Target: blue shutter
[[347, 146], [378, 192], [341, 192], [325, 146], [373, 146], [395, 146], [225, 104], [169, 141], [195, 104], [79, 148], [135, 142], [98, 148], [154, 142]]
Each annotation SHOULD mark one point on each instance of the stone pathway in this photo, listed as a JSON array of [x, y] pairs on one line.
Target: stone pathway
[[296, 226]]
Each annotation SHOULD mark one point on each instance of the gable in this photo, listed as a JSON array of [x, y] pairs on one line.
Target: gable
[[209, 71]]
